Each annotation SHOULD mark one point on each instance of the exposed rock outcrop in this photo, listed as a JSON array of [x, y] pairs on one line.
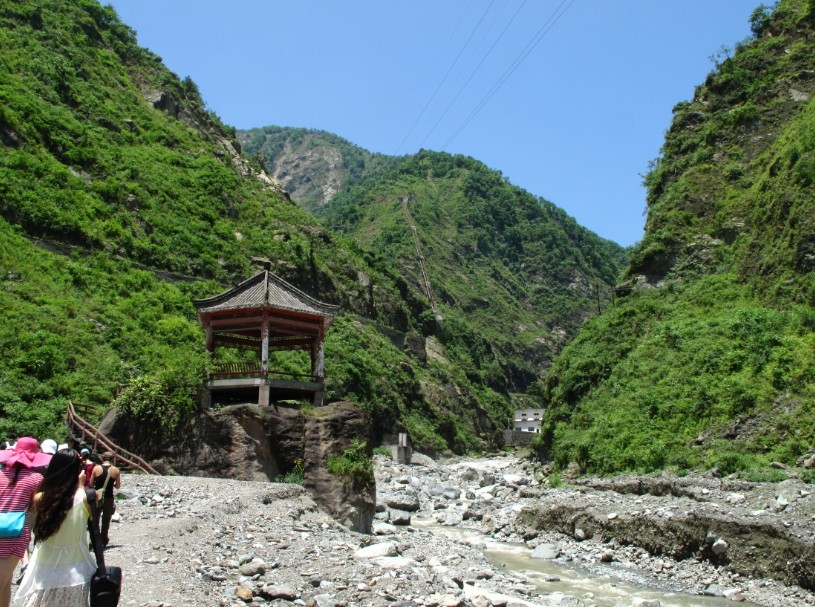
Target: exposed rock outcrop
[[329, 431], [256, 443]]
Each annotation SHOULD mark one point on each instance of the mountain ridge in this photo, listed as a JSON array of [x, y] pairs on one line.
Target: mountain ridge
[[452, 221], [114, 159]]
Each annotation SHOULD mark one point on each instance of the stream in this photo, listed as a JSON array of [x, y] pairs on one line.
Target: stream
[[618, 588]]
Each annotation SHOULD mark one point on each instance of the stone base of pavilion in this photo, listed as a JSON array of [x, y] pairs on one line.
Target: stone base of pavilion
[[260, 390]]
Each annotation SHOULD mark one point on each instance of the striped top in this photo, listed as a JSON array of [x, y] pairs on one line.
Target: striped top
[[17, 498]]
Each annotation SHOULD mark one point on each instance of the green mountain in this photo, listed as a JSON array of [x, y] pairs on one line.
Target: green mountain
[[709, 360], [122, 198], [311, 166], [511, 277]]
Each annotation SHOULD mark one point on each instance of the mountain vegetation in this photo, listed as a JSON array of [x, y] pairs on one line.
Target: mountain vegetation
[[312, 166], [511, 276], [123, 198], [709, 361]]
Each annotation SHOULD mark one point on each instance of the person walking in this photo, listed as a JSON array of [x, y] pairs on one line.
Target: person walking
[[61, 566], [18, 485], [88, 465], [106, 478]]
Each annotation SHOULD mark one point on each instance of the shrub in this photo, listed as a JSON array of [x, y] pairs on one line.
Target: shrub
[[155, 402], [294, 476], [383, 451], [760, 19], [353, 463]]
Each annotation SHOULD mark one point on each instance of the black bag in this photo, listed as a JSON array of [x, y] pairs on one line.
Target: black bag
[[106, 587], [106, 583]]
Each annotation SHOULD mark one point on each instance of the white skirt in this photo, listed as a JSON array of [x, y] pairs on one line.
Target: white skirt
[[71, 596]]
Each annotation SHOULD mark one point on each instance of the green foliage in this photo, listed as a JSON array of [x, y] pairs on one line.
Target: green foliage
[[294, 476], [643, 381], [353, 463], [164, 405], [122, 199], [506, 268], [760, 19], [100, 194], [383, 451], [716, 366]]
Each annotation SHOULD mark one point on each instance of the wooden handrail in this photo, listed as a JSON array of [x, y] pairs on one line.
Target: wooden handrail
[[236, 368], [89, 430], [85, 409], [248, 369]]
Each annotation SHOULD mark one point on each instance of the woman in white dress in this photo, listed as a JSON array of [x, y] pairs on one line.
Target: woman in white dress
[[60, 569]]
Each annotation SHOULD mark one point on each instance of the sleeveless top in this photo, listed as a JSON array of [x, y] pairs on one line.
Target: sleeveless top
[[63, 559], [99, 481], [16, 498]]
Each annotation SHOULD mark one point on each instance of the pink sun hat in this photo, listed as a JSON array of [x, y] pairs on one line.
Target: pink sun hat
[[26, 453]]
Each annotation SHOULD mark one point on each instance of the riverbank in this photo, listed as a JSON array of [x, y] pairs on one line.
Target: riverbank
[[696, 534], [217, 542]]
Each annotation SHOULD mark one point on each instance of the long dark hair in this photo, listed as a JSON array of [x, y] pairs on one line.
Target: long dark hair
[[58, 488]]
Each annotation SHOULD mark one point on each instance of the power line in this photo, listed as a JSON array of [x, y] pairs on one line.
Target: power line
[[539, 35], [444, 78], [474, 72], [438, 62]]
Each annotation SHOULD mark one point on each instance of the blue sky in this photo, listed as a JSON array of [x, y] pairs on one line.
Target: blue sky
[[574, 95]]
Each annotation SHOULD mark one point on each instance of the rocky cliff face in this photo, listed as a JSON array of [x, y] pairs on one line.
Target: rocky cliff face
[[309, 173], [327, 432], [255, 443], [311, 165]]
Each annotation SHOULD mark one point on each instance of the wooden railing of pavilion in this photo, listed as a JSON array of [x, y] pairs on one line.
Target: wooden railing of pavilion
[[235, 369], [249, 369], [90, 433]]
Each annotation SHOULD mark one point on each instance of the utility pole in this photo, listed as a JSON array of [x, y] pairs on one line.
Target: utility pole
[[597, 294]]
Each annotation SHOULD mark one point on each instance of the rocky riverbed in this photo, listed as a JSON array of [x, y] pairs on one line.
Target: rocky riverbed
[[697, 534], [197, 541]]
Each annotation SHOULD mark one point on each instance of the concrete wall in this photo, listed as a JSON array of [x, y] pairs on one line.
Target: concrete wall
[[516, 438]]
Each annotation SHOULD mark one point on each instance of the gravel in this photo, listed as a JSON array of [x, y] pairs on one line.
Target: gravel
[[219, 542]]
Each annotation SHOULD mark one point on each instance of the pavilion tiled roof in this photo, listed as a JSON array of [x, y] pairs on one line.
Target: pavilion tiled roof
[[266, 291]]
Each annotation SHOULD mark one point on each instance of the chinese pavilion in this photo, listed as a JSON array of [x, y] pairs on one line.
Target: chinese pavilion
[[264, 314]]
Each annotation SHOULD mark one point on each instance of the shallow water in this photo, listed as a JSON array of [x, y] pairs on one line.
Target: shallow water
[[595, 590]]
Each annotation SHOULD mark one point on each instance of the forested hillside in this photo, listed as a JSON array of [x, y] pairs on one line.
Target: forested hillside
[[312, 166], [513, 276], [122, 198], [710, 359]]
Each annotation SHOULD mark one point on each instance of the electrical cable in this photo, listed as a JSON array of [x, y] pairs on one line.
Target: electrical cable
[[474, 72], [540, 35], [438, 61], [444, 78]]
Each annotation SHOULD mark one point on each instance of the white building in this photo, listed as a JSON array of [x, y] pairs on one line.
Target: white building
[[528, 420]]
